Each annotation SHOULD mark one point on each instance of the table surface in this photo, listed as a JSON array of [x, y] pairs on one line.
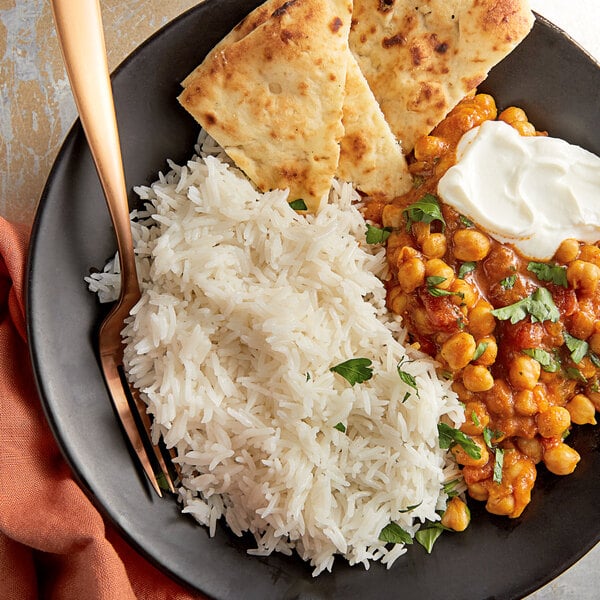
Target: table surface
[[37, 111]]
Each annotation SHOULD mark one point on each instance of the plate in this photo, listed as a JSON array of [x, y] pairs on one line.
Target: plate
[[559, 87]]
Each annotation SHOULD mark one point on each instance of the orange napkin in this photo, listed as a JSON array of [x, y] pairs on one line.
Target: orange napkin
[[53, 542]]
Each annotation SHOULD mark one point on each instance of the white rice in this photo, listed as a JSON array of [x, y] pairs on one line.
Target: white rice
[[245, 307]]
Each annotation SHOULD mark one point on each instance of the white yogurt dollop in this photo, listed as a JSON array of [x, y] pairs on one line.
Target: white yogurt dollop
[[532, 192]]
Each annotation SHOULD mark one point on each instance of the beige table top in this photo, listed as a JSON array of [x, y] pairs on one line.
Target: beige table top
[[37, 111]]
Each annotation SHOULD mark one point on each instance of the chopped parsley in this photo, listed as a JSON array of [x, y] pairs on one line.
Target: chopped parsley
[[425, 210], [465, 221], [481, 348], [498, 464], [377, 235], [475, 419], [428, 535], [549, 362], [340, 427], [488, 437], [466, 267], [539, 306], [407, 378], [355, 370], [509, 282], [450, 488], [298, 204], [394, 534], [433, 281], [549, 272], [448, 437], [576, 374], [579, 348], [409, 508]]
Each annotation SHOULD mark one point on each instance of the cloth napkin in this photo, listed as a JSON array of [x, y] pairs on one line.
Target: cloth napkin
[[53, 542]]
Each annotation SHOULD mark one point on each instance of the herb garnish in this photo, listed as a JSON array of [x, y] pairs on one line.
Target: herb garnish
[[579, 348], [428, 535], [425, 210], [465, 221], [488, 436], [576, 374], [377, 235], [449, 488], [394, 534], [481, 348], [548, 272], [475, 419], [465, 268], [450, 436], [540, 306], [409, 508], [340, 427], [509, 282], [433, 281], [498, 464], [548, 362], [298, 204], [407, 377], [355, 370]]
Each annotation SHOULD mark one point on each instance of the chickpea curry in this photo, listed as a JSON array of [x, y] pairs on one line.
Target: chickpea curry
[[519, 338]]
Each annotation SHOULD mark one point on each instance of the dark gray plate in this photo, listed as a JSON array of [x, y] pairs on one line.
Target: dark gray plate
[[559, 87]]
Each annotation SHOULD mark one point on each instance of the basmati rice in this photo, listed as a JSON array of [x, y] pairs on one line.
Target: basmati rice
[[246, 306]]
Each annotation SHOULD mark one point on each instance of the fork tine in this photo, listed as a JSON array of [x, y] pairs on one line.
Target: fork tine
[[145, 419], [121, 403]]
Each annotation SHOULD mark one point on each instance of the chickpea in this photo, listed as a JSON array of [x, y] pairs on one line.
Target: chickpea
[[490, 353], [465, 293], [581, 325], [540, 395], [470, 245], [477, 418], [429, 146], [397, 300], [568, 251], [525, 403], [434, 246], [462, 392], [513, 114], [561, 459], [481, 320], [582, 410], [524, 128], [422, 321], [477, 378], [462, 458], [457, 515], [500, 501], [478, 491], [591, 254], [411, 274], [531, 448], [486, 103], [553, 422], [458, 350], [499, 399], [583, 276], [524, 372], [436, 267]]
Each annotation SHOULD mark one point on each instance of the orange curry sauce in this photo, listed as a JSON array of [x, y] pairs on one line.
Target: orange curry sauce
[[524, 376]]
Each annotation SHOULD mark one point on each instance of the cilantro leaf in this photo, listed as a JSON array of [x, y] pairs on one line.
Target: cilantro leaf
[[549, 272], [407, 378], [449, 488], [340, 427], [489, 435], [448, 436], [481, 348], [298, 204], [394, 534], [428, 535], [425, 210], [498, 464], [377, 235], [579, 348], [433, 281], [548, 361], [409, 508], [161, 480], [465, 221], [540, 306], [354, 370], [466, 267], [576, 374], [509, 282]]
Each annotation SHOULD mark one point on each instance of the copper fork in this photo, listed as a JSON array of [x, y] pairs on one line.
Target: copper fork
[[81, 37]]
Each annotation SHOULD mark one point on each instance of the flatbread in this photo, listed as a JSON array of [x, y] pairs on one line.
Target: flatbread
[[370, 156], [273, 100], [422, 57]]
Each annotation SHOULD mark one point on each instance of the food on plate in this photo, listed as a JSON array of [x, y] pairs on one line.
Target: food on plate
[[517, 333], [274, 99], [268, 360], [368, 154], [421, 58]]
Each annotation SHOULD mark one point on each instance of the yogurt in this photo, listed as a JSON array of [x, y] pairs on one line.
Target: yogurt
[[532, 192]]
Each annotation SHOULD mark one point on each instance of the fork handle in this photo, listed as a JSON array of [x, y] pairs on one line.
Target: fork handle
[[81, 37]]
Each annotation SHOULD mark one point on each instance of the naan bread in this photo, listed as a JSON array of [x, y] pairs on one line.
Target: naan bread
[[370, 156], [421, 57], [273, 99]]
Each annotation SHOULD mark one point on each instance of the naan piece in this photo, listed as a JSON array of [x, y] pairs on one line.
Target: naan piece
[[370, 156], [273, 100], [421, 57]]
